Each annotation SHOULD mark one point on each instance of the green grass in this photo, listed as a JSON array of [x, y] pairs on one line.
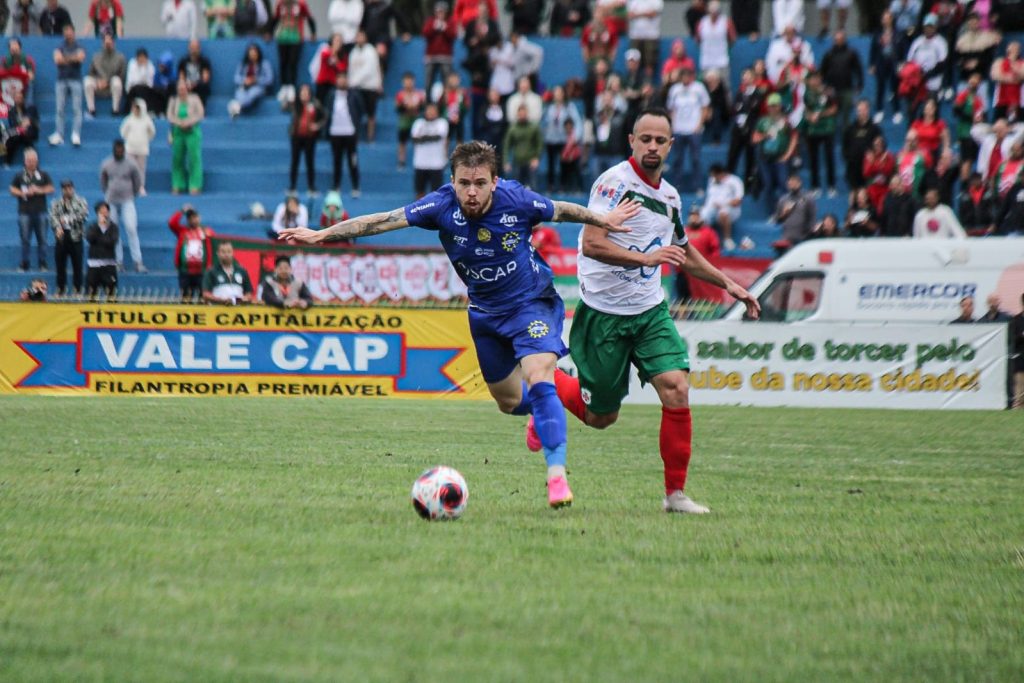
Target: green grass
[[212, 539]]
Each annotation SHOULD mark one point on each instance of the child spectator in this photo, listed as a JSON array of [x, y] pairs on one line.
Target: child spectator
[[307, 122], [137, 129], [333, 210], [409, 102], [102, 236]]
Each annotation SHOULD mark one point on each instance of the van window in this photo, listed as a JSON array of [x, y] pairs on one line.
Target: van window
[[792, 297]]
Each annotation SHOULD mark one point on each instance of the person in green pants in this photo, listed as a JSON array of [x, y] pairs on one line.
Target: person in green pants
[[184, 113]]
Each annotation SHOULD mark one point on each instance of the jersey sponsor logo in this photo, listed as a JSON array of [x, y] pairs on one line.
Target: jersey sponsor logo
[[460, 240], [539, 205], [480, 251], [459, 219], [509, 241], [585, 395], [537, 329], [483, 235], [486, 274], [421, 207], [508, 219], [645, 272]]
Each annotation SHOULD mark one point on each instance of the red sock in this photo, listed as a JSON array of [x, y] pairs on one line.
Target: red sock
[[568, 389], [676, 433]]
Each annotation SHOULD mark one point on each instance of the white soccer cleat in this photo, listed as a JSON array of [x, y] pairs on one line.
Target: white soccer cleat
[[677, 501]]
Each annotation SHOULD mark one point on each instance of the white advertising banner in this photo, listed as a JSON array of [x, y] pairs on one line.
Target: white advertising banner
[[843, 366]]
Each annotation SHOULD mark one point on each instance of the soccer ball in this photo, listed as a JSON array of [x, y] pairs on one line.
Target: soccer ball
[[440, 493]]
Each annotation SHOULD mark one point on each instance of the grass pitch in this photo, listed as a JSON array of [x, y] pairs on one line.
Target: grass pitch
[[216, 539]]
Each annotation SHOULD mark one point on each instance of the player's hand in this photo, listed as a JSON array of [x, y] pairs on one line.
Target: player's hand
[[620, 214], [672, 255], [301, 236], [740, 294]]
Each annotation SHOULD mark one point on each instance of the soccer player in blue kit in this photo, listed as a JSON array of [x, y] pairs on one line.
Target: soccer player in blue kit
[[515, 316]]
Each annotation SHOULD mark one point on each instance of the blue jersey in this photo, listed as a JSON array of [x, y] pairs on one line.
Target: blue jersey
[[492, 254]]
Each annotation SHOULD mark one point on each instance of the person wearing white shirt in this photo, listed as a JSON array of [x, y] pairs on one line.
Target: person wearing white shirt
[[689, 104], [366, 78], [937, 221], [781, 51], [715, 33], [138, 82], [429, 150], [344, 16], [787, 13], [527, 57], [988, 137], [503, 62], [645, 30], [291, 213], [722, 203], [524, 96], [930, 51], [180, 19]]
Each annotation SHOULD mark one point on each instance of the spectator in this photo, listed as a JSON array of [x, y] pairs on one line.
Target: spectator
[[571, 159], [943, 176], [36, 291], [526, 15], [1010, 170], [478, 65], [252, 79], [31, 185], [525, 97], [106, 77], [689, 103], [366, 79], [1008, 74], [785, 50], [719, 114], [289, 214], [502, 59], [102, 236], [137, 129], [523, 145], [596, 83], [121, 182], [932, 133], [976, 50], [723, 205], [861, 219], [610, 135], [20, 70], [841, 70], [777, 142], [1010, 220], [454, 102], [820, 127], [251, 17], [25, 19], [645, 31], [746, 108], [185, 113], [556, 114], [198, 71], [911, 164], [192, 253], [617, 13], [827, 227], [746, 15], [568, 17], [227, 282], [409, 103], [1017, 356], [429, 150], [634, 82], [165, 80], [466, 12], [697, 11], [677, 61], [994, 144], [795, 213], [333, 211], [378, 15], [493, 125], [936, 220], [344, 16], [878, 169], [307, 121], [715, 34], [886, 53], [53, 18], [599, 39], [288, 28], [67, 219], [106, 16], [527, 58], [705, 240], [787, 13], [281, 289], [139, 82], [968, 109], [825, 12], [331, 58], [68, 56], [439, 33], [993, 314], [22, 128], [545, 240], [858, 138], [906, 14], [930, 52], [220, 18], [966, 311], [898, 210], [344, 112], [977, 208], [180, 19]]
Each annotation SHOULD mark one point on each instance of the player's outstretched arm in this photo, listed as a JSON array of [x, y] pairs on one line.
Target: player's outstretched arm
[[597, 246], [567, 212], [698, 266], [372, 224]]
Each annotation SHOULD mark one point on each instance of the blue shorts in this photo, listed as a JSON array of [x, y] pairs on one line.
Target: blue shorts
[[501, 339]]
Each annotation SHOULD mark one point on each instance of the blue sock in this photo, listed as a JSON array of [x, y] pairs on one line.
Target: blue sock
[[549, 421], [524, 407]]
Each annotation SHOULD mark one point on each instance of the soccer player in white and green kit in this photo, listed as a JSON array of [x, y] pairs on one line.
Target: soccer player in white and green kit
[[623, 318]]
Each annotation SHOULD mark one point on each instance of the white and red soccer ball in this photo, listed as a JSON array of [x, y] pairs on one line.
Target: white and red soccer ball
[[440, 493]]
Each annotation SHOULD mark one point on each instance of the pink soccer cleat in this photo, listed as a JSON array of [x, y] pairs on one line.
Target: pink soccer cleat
[[532, 440], [559, 494]]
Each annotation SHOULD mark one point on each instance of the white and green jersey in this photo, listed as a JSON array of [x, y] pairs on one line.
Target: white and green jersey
[[617, 289]]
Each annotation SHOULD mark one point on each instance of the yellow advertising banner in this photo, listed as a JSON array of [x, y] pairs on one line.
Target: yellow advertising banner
[[175, 350]]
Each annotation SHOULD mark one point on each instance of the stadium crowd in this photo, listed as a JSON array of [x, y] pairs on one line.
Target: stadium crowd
[[797, 128]]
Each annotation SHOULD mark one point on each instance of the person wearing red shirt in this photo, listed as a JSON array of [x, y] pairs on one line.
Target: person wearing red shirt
[[1008, 74], [545, 239], [466, 13], [106, 16], [879, 167], [932, 132], [705, 240], [599, 39], [677, 60], [333, 59], [193, 253], [439, 33]]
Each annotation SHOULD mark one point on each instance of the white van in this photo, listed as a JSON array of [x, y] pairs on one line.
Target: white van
[[888, 280]]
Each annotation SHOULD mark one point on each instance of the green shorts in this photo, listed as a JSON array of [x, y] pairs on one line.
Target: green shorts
[[603, 346]]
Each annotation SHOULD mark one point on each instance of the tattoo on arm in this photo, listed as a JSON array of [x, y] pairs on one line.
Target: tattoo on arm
[[373, 224], [567, 212]]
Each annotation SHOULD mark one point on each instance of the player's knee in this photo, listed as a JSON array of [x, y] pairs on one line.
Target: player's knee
[[507, 405], [676, 393], [601, 421]]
